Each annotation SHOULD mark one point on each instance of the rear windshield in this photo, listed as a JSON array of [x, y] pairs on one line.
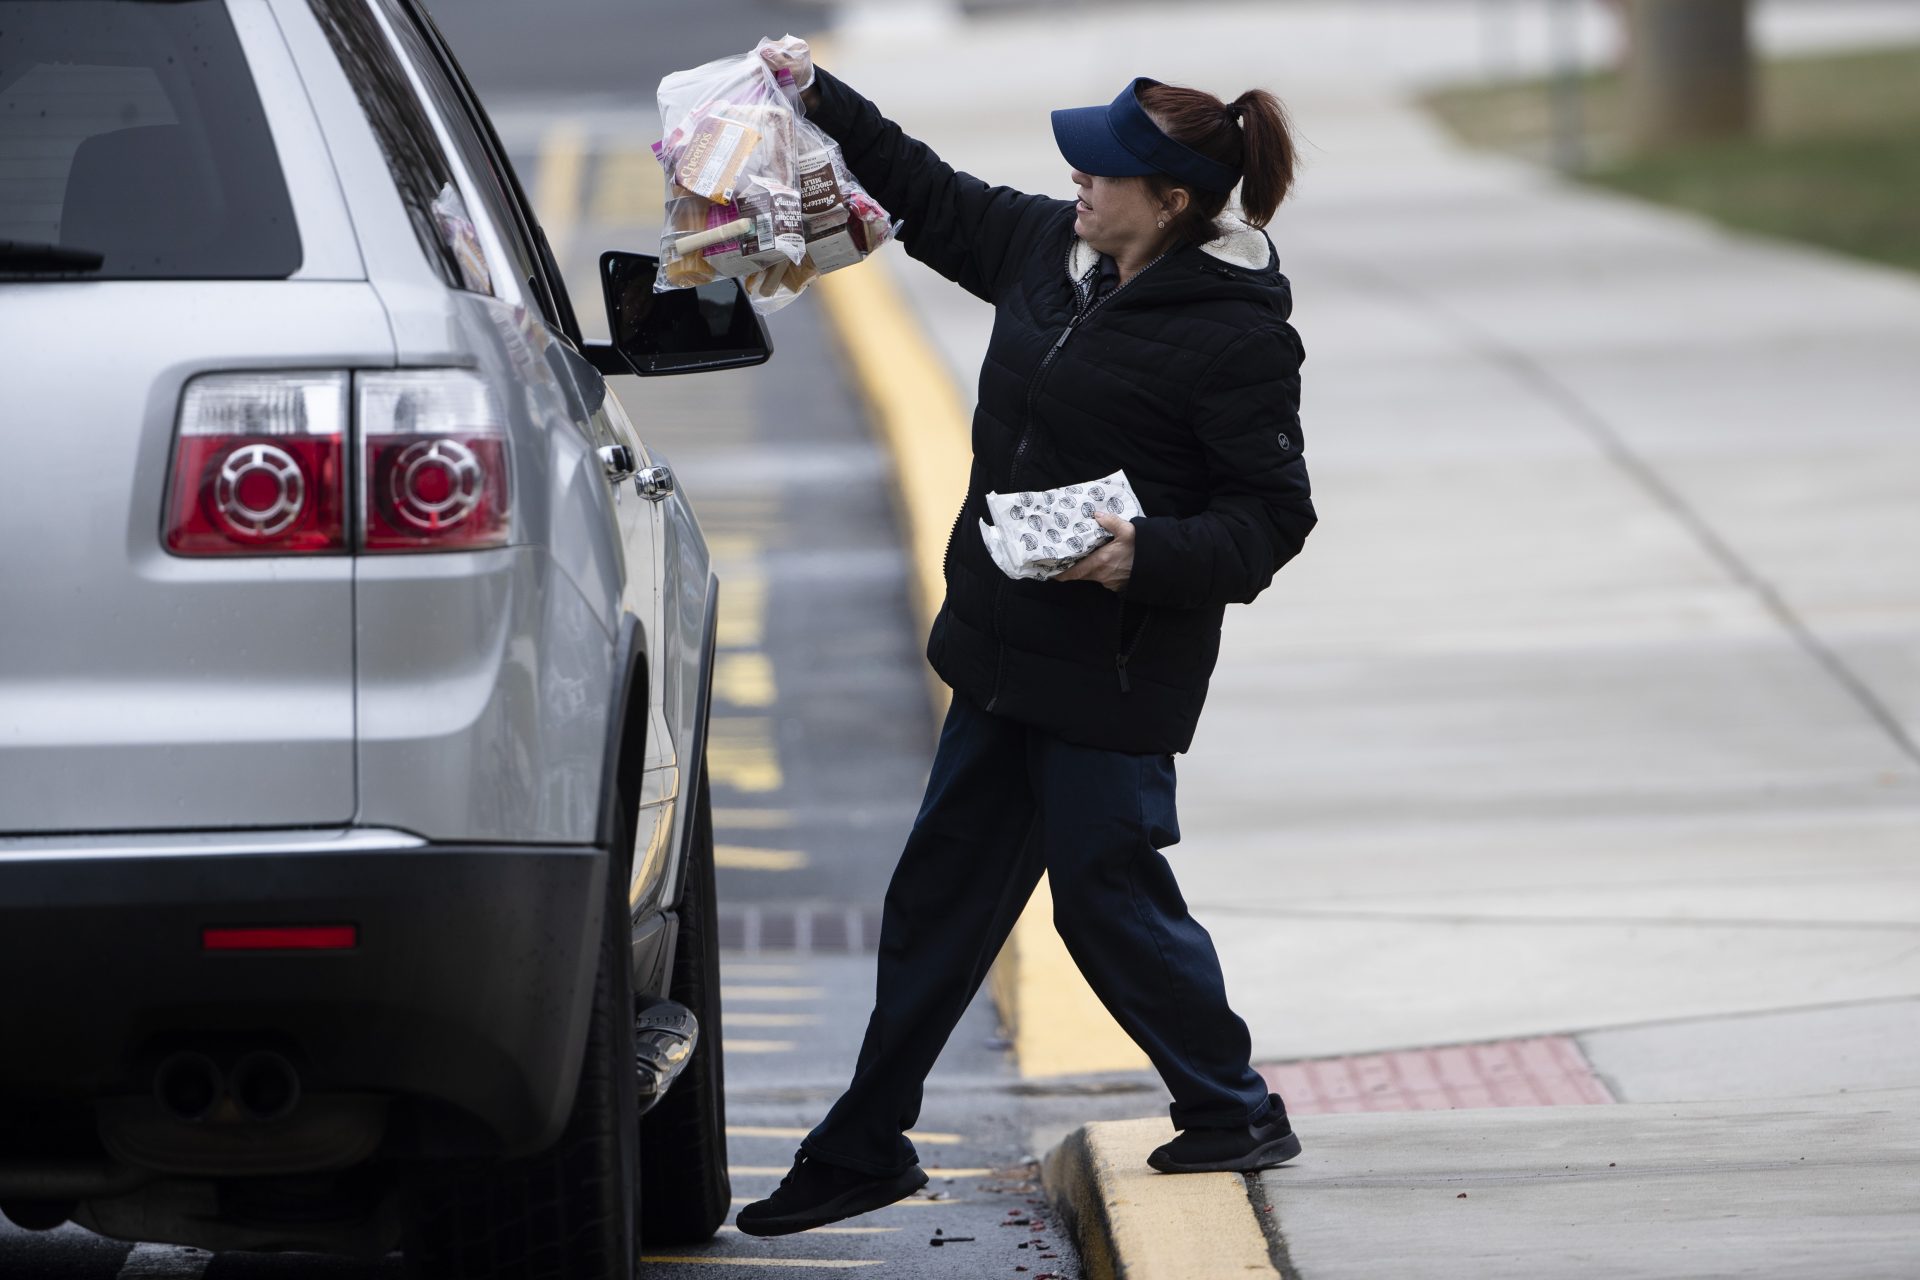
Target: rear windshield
[[133, 146]]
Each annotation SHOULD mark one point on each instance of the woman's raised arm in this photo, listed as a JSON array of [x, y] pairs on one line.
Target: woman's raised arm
[[958, 225]]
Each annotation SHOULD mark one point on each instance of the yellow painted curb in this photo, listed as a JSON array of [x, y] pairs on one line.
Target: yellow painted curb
[[1134, 1224], [1057, 1025]]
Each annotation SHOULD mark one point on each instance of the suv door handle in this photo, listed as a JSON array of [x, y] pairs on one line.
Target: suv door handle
[[653, 483], [618, 461]]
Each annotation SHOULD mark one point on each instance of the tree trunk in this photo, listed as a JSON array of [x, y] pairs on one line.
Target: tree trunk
[[1689, 71]]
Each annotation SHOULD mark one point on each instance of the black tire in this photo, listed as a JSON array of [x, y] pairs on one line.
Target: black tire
[[572, 1212], [685, 1191]]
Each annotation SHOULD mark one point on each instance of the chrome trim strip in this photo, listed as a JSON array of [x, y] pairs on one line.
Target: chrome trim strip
[[206, 843]]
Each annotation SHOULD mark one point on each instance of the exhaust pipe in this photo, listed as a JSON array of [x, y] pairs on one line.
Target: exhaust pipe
[[265, 1086], [188, 1085]]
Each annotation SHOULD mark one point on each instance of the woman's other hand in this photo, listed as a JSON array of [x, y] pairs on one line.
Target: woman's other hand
[[1112, 564]]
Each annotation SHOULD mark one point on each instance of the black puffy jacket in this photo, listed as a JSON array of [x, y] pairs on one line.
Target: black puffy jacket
[[1187, 378]]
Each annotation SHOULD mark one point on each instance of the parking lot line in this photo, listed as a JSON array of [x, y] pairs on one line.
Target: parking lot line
[[752, 819], [818, 1264], [744, 858], [771, 993], [773, 1020], [164, 1262], [835, 1231], [759, 1046], [741, 754], [744, 679]]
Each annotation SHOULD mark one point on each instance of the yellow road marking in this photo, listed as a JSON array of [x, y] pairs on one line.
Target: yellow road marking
[[836, 1231], [745, 970], [556, 185], [742, 620], [729, 544], [741, 754], [910, 1202], [742, 858], [758, 1046], [778, 1131], [774, 1020], [769, 993], [752, 819], [777, 1171], [819, 1264], [1058, 1026], [744, 679], [628, 190]]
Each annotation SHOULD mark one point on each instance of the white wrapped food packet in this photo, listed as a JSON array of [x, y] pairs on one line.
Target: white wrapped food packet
[[1041, 533]]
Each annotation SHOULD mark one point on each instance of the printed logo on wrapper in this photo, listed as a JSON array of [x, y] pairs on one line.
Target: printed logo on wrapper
[[1040, 534], [754, 191]]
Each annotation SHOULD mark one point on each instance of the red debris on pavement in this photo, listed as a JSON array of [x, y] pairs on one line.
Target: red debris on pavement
[[1541, 1071]]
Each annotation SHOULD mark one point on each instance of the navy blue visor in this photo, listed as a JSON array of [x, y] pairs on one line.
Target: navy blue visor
[[1120, 140]]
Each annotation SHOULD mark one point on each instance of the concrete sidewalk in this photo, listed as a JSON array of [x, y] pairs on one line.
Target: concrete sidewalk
[[1591, 707]]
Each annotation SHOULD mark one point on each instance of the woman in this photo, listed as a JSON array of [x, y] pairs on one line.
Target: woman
[[1139, 328]]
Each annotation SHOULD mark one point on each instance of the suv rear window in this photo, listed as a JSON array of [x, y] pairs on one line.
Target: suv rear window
[[133, 145]]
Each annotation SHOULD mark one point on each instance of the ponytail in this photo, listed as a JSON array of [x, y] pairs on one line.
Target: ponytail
[[1267, 143], [1251, 133]]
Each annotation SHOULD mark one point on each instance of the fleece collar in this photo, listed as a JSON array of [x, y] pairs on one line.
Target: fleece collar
[[1238, 245]]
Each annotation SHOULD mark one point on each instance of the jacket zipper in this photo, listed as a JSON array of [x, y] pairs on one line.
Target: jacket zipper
[[946, 558], [1083, 310], [1125, 653]]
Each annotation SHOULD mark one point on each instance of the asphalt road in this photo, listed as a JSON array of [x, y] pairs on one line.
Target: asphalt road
[[822, 733]]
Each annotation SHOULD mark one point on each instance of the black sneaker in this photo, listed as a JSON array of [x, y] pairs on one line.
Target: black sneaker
[[815, 1193], [1241, 1149]]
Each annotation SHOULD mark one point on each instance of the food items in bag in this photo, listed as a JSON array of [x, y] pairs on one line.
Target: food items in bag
[[754, 190], [769, 232], [714, 155], [686, 217]]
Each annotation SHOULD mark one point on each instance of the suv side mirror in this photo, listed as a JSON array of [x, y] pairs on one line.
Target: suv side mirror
[[698, 330]]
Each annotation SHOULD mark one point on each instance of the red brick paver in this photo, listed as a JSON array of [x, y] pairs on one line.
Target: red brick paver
[[1543, 1071]]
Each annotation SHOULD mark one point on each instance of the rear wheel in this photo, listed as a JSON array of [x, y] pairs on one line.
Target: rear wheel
[[685, 1191], [571, 1212]]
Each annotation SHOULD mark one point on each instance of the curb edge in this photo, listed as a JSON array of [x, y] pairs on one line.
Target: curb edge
[[1128, 1221]]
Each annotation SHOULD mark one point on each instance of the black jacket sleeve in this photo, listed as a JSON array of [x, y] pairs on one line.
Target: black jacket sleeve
[[1246, 412], [955, 223]]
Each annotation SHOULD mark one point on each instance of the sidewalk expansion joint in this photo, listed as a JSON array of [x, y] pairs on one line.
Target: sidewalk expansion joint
[[1534, 375], [1267, 1215]]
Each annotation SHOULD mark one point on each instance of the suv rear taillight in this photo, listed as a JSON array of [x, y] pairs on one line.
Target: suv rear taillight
[[433, 461], [259, 466], [260, 463]]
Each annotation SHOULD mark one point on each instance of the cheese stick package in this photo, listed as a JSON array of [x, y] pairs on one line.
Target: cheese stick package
[[754, 191]]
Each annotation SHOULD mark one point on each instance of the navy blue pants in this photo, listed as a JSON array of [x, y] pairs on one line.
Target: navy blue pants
[[1004, 803]]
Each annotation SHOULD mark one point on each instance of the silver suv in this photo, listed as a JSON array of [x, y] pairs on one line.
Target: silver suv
[[356, 876]]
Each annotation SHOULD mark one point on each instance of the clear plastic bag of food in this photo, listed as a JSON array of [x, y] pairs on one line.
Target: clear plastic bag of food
[[753, 190]]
